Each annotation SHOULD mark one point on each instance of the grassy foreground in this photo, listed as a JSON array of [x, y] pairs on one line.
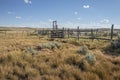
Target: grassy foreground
[[32, 58]]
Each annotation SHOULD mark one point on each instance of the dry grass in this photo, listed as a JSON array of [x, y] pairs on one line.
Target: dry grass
[[64, 63]]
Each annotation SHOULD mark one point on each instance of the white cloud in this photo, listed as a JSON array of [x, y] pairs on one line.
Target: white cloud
[[86, 6], [75, 13], [9, 12], [66, 24], [104, 21], [117, 26], [28, 1], [18, 17], [70, 24]]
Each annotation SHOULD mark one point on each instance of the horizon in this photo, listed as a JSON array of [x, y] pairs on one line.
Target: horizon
[[68, 13]]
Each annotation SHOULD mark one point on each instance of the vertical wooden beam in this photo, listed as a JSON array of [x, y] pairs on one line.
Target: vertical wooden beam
[[48, 33], [56, 26], [78, 32], [63, 32], [92, 35], [53, 24], [43, 31], [112, 32], [63, 28], [68, 32]]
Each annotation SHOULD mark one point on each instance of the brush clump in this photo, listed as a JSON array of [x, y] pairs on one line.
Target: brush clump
[[83, 50]]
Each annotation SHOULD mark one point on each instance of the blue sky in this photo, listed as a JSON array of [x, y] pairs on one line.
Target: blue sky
[[68, 13]]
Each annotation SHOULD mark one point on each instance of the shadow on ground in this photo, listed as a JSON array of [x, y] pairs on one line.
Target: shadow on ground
[[112, 51]]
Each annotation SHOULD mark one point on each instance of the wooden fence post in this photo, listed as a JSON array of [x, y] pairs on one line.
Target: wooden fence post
[[92, 35], [53, 25], [63, 32], [68, 32], [78, 32], [112, 32]]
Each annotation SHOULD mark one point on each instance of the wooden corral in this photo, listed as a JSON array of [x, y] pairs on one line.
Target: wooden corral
[[57, 34], [41, 32]]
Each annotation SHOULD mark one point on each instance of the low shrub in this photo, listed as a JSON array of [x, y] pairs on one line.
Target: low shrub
[[43, 46], [51, 45], [55, 44], [90, 58], [32, 51], [83, 50]]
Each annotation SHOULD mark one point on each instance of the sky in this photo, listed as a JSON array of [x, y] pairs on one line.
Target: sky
[[68, 13]]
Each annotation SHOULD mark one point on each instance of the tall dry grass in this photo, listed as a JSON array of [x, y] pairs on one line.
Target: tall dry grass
[[64, 63]]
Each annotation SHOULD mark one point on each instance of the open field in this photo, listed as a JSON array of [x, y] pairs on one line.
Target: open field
[[31, 57]]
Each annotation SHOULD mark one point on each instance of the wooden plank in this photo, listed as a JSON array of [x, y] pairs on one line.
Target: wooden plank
[[92, 35], [112, 32], [68, 33], [78, 32]]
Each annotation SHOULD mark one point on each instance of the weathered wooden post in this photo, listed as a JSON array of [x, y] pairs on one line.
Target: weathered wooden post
[[48, 34], [78, 32], [68, 32], [63, 32], [92, 35], [55, 26], [112, 32]]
